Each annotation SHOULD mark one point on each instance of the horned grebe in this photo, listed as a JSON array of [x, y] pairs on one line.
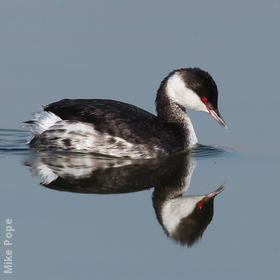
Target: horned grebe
[[122, 130]]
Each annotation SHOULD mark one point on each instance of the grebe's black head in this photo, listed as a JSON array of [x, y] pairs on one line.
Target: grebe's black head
[[194, 89], [194, 214]]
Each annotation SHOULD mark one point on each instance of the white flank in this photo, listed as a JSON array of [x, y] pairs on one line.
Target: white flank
[[84, 137]]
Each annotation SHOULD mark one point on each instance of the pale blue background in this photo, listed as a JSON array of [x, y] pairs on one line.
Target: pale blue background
[[51, 50], [122, 49]]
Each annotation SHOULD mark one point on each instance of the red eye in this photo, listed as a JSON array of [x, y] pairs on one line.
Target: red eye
[[204, 100], [200, 204]]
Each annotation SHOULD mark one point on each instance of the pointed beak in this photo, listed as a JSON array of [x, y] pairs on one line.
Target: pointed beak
[[217, 116], [210, 196], [216, 192]]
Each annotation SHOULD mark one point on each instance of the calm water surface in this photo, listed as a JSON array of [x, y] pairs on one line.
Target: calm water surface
[[106, 218], [87, 217]]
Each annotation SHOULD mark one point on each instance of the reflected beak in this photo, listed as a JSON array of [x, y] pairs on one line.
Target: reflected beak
[[210, 196], [217, 116], [216, 192]]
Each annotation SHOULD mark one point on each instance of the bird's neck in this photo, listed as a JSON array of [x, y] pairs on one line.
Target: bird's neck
[[173, 113]]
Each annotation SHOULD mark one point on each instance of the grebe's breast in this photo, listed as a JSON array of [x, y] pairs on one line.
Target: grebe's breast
[[108, 127]]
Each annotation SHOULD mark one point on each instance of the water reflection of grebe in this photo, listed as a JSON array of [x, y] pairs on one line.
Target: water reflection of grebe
[[183, 218]]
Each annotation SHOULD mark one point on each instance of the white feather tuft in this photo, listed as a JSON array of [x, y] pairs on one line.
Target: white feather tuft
[[44, 171], [42, 121]]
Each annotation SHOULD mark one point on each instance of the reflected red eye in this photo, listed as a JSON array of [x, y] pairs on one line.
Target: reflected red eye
[[200, 204], [204, 100]]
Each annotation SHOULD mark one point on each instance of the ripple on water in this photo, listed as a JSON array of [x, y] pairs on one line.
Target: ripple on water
[[13, 140], [205, 151]]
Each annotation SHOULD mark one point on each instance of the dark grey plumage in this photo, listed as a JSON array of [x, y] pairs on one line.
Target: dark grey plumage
[[122, 120]]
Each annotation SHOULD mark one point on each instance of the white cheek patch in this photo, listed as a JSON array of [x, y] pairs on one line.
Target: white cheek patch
[[179, 93], [176, 209]]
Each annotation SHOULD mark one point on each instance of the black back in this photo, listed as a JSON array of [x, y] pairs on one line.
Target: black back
[[122, 120]]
